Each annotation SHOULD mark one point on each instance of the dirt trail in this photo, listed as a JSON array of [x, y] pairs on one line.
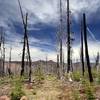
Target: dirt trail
[[49, 90]]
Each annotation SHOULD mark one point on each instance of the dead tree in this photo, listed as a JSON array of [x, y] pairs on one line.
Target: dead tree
[[82, 51], [63, 65], [86, 48], [61, 32], [29, 57], [61, 62], [23, 54], [4, 55], [26, 44], [1, 51], [71, 61], [97, 60], [68, 38], [9, 68], [58, 74]]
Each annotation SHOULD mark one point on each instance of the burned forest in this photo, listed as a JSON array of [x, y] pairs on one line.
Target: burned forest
[[49, 50]]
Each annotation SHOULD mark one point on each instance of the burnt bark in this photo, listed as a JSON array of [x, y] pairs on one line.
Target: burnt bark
[[9, 68], [82, 51], [68, 38], [86, 48], [26, 43], [58, 73]]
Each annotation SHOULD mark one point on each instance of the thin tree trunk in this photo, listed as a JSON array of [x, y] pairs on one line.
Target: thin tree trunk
[[58, 74], [9, 68], [25, 30], [61, 64], [82, 51], [97, 60], [61, 32], [23, 55], [86, 49], [3, 54], [68, 38]]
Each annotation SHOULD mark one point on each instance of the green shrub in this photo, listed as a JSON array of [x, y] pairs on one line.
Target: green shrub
[[2, 82], [98, 78], [89, 90], [16, 95], [39, 75], [17, 92], [76, 76], [89, 93], [94, 73], [76, 95]]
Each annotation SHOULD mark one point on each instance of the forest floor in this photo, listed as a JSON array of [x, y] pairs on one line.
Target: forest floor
[[51, 89]]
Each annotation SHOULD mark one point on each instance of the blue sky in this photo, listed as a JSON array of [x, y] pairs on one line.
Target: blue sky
[[43, 24]]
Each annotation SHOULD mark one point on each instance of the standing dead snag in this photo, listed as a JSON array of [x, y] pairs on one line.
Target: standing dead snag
[[63, 65], [26, 44], [9, 68], [30, 64], [97, 60], [60, 40], [61, 62], [1, 67], [86, 48], [58, 74], [3, 53], [82, 51], [68, 38], [2, 50], [23, 54]]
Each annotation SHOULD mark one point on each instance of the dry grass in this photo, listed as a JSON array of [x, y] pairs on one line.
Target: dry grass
[[51, 89], [47, 91]]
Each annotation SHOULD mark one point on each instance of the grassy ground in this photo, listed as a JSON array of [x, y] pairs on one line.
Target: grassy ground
[[50, 88], [47, 90]]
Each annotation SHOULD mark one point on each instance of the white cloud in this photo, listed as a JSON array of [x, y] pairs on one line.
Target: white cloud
[[38, 54]]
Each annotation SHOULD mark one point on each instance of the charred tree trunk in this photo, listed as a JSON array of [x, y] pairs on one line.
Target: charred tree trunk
[[30, 64], [9, 68], [61, 33], [63, 65], [68, 38], [3, 54], [97, 60], [58, 74], [82, 51], [23, 54], [3, 61], [26, 43], [86, 48], [1, 49]]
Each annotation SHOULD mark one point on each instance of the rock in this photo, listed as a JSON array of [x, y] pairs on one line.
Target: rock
[[24, 98], [4, 98]]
